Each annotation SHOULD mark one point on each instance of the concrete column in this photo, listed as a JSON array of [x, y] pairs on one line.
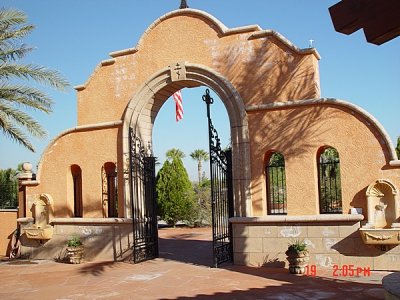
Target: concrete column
[[25, 175]]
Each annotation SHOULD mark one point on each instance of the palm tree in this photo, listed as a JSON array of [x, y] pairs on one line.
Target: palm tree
[[174, 153], [199, 155], [13, 94]]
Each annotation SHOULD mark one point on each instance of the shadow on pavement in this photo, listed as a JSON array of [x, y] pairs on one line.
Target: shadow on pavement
[[187, 245], [295, 287]]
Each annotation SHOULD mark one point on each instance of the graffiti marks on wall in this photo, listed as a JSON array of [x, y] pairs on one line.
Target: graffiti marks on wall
[[290, 231]]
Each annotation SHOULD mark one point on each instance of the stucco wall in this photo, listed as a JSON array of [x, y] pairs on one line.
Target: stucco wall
[[263, 242], [103, 239], [249, 59], [8, 219], [274, 68], [89, 149], [298, 133]]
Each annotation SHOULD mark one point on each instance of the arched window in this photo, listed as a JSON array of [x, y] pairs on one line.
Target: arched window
[[276, 184], [329, 186], [76, 173], [110, 189]]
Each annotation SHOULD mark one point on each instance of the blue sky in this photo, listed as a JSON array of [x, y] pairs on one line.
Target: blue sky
[[74, 36]]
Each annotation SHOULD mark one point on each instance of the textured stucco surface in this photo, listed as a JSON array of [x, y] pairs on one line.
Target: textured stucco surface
[[275, 69], [261, 61], [298, 133], [90, 150], [8, 219]]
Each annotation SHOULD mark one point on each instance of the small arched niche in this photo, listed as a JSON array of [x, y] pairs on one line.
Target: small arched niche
[[110, 189], [42, 210], [76, 174], [383, 204]]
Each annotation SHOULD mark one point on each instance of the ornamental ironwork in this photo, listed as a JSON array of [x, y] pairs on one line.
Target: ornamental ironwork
[[330, 191], [276, 185], [221, 192], [143, 199]]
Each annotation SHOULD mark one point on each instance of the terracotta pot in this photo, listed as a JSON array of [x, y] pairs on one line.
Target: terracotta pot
[[297, 261]]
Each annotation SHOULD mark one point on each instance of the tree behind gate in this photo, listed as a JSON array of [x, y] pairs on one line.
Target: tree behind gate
[[175, 195]]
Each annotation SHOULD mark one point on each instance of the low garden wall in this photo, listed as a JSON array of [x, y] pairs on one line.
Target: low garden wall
[[103, 239], [333, 242], [8, 219]]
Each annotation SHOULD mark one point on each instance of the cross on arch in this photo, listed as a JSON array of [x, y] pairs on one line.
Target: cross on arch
[[177, 69]]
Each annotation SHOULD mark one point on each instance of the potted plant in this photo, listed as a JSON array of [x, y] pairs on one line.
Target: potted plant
[[298, 256], [75, 250]]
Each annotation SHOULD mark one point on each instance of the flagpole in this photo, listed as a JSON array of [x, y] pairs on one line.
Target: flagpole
[[183, 4]]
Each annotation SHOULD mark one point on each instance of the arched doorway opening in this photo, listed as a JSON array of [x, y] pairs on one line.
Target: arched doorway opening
[[138, 126], [191, 239]]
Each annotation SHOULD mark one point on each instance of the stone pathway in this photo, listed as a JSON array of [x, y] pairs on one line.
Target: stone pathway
[[181, 272]]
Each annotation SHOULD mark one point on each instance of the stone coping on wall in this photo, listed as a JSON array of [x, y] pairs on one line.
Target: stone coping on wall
[[80, 128], [301, 219], [395, 163], [25, 220], [90, 221], [82, 221], [394, 160]]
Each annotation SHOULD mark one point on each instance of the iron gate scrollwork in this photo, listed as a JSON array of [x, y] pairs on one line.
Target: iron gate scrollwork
[[144, 205], [221, 192]]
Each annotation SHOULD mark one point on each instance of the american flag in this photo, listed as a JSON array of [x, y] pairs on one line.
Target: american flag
[[178, 105]]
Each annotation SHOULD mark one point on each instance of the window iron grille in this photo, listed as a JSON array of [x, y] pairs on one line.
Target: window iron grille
[[276, 185], [330, 192]]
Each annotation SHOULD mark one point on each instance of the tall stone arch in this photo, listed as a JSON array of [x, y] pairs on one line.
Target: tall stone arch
[[143, 108]]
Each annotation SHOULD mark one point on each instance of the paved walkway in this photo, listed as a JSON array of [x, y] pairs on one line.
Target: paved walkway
[[181, 272]]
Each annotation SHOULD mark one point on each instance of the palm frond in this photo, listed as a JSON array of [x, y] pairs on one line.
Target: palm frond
[[11, 17], [14, 132], [37, 73], [8, 35], [14, 122], [13, 53], [11, 115], [26, 96]]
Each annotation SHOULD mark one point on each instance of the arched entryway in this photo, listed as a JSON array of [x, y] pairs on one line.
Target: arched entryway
[[144, 106], [137, 131]]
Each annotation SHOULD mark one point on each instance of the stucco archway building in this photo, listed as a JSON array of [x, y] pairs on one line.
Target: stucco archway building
[[281, 113]]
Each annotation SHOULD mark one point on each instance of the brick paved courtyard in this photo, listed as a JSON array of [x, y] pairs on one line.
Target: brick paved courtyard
[[181, 272]]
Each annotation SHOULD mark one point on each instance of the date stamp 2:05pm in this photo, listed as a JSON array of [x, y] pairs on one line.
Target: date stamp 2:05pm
[[341, 271]]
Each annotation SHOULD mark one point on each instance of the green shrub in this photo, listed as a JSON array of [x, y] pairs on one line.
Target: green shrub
[[74, 241], [175, 194], [297, 246]]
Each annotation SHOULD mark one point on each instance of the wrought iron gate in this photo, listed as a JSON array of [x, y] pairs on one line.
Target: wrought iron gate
[[144, 205], [221, 192]]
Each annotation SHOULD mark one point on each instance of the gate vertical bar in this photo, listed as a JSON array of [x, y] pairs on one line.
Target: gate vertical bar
[[221, 192], [143, 200]]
